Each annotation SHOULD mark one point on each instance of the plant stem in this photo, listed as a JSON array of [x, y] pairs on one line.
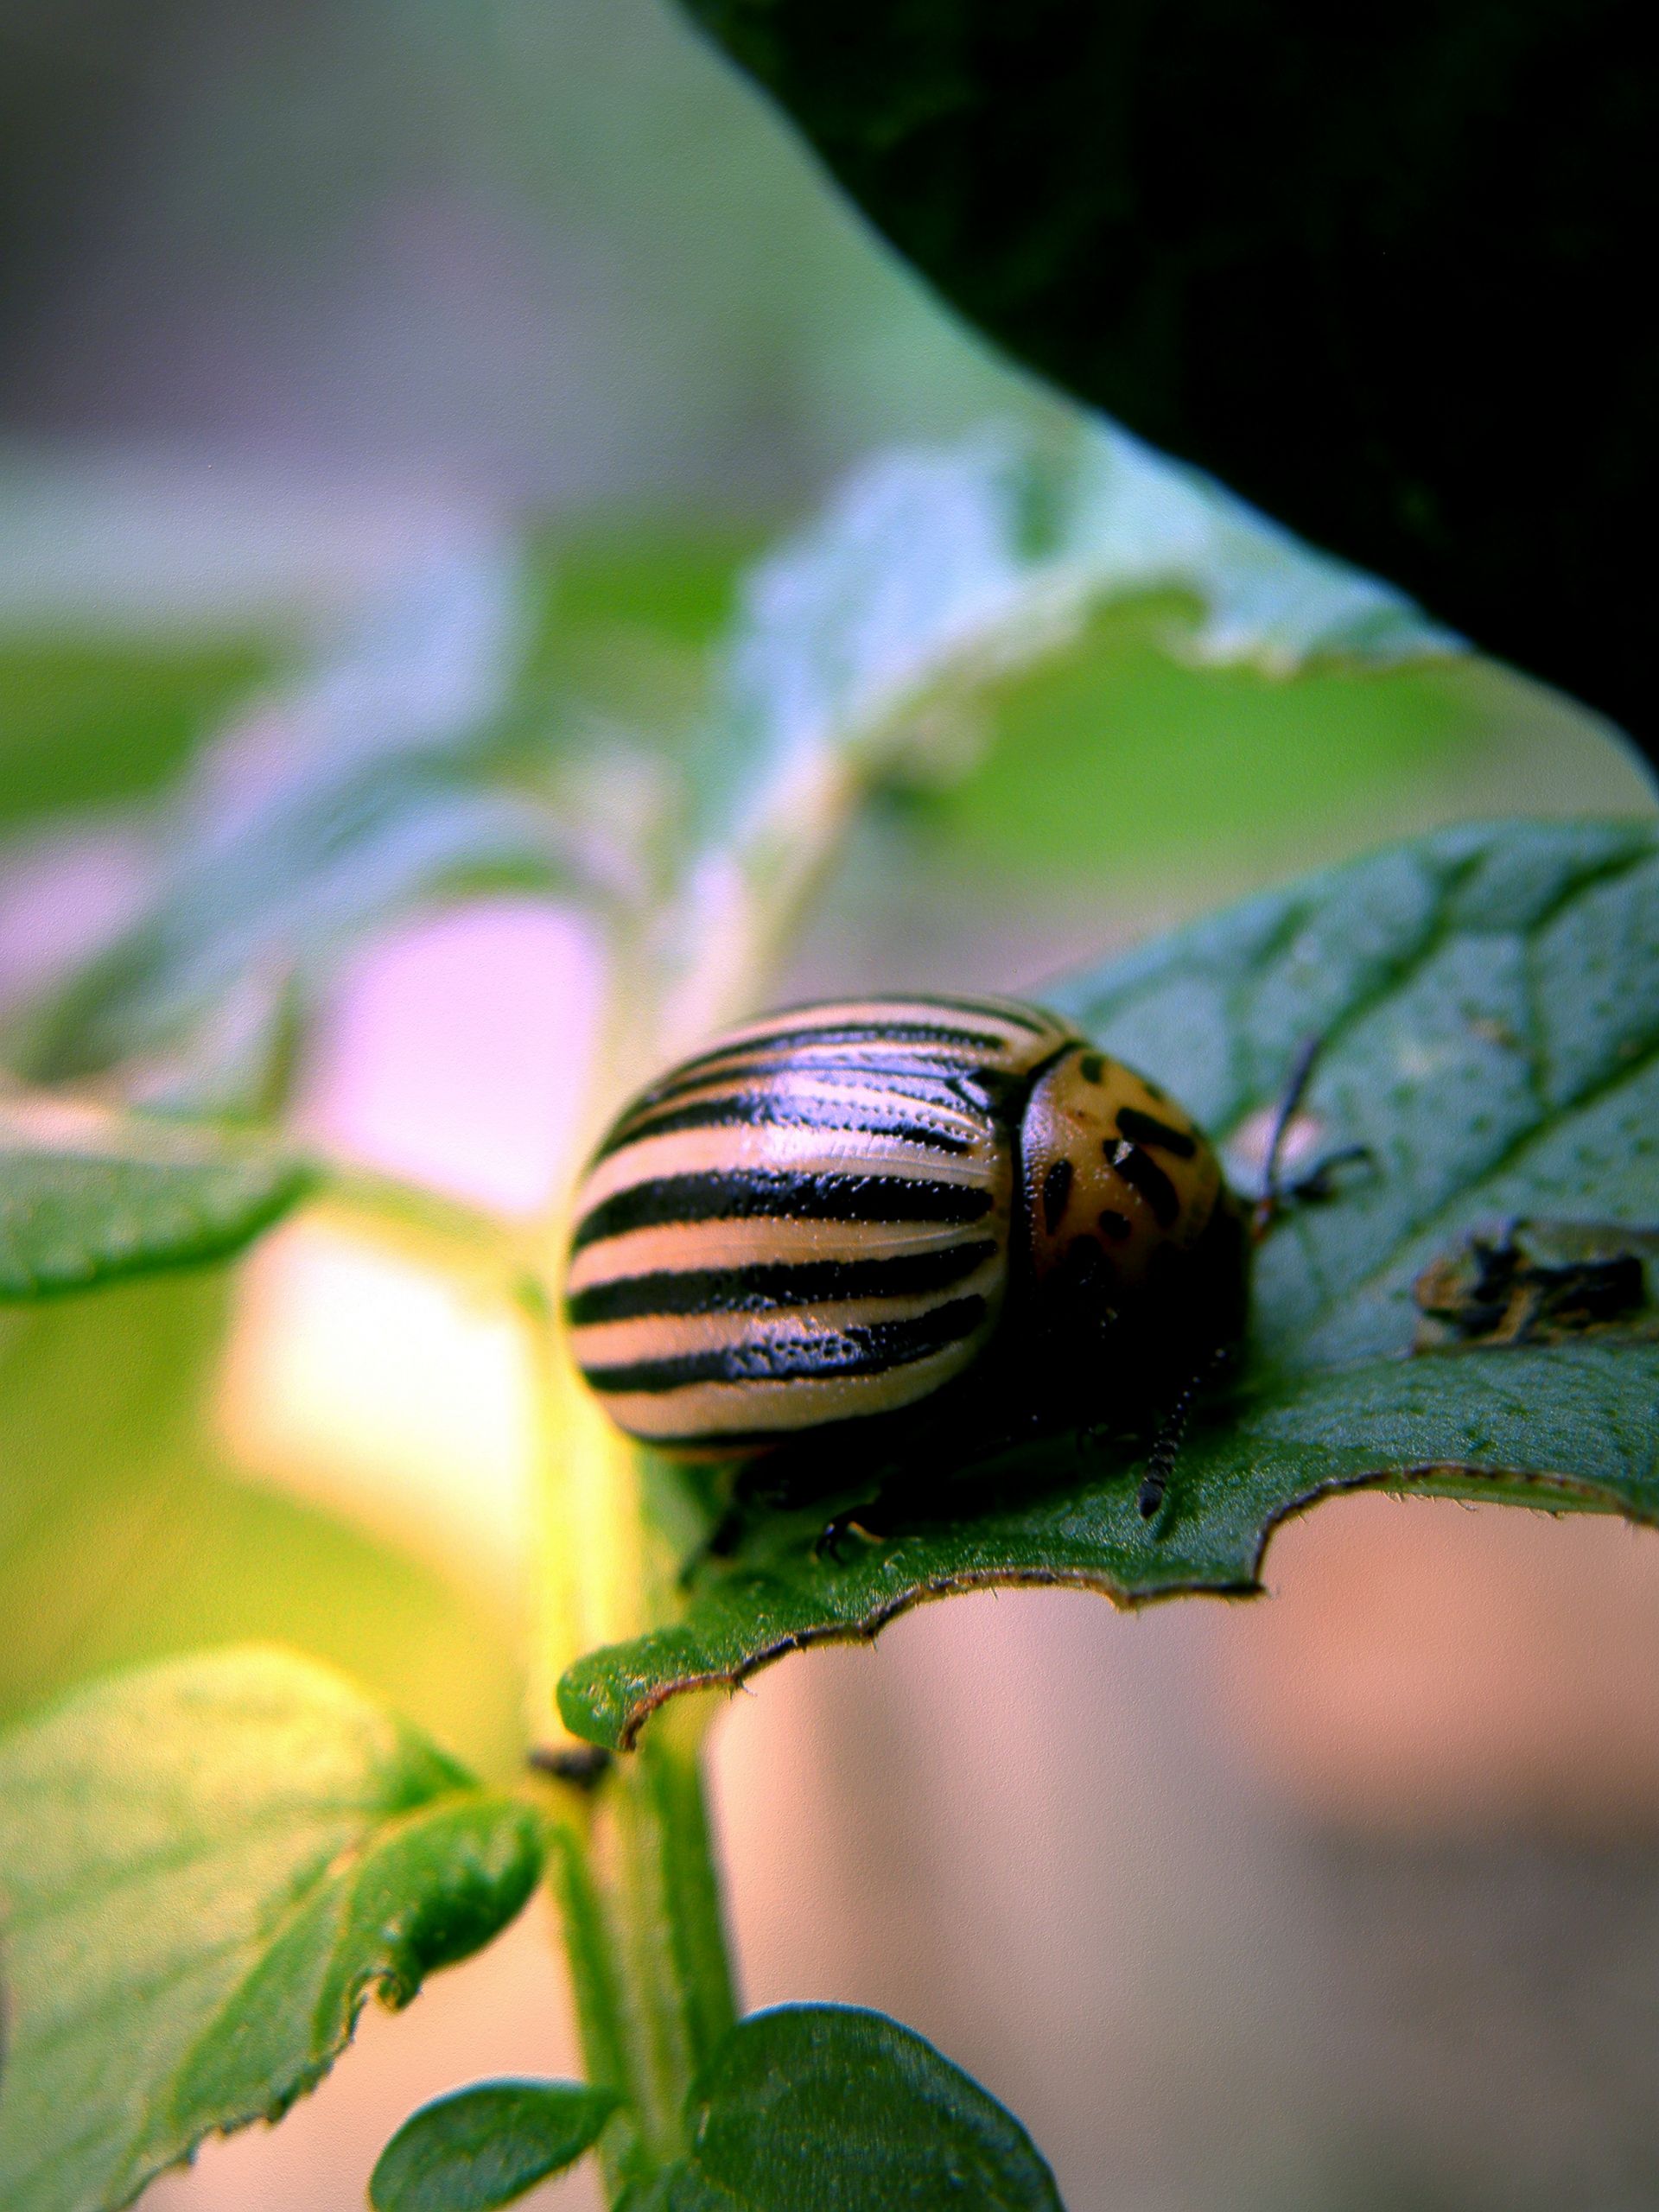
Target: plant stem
[[593, 1538], [666, 1829], [633, 1872], [636, 1885], [640, 1905], [590, 1951]]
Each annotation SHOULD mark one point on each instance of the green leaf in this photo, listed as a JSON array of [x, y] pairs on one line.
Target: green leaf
[[485, 2145], [928, 574], [207, 1868], [87, 1198], [1489, 1003], [1245, 241], [967, 558], [827, 2108]]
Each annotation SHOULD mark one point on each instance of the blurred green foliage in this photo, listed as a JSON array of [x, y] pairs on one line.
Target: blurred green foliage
[[86, 723], [87, 1199], [1120, 752], [484, 2147], [1119, 757], [126, 1534], [818, 2107]]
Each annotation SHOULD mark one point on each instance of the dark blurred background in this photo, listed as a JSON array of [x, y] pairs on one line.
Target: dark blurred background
[[1349, 1902]]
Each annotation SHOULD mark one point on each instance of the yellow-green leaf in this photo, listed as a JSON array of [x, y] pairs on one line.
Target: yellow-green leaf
[[206, 1869]]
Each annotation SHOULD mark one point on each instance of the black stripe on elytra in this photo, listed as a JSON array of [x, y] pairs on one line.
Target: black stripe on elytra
[[870, 1349], [1057, 1189], [782, 1109], [1035, 1024], [1141, 1172], [916, 1078], [777, 1194], [788, 1040], [767, 1286], [854, 1032], [1146, 1129]]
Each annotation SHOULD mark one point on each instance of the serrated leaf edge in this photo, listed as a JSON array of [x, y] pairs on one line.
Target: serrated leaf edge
[[1421, 1479]]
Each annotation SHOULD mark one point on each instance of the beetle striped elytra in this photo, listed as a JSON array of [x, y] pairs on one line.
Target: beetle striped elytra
[[855, 1209]]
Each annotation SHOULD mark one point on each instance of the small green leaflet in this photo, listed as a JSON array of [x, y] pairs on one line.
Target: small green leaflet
[[827, 2108], [485, 2145], [206, 1869], [87, 1197], [1489, 1003]]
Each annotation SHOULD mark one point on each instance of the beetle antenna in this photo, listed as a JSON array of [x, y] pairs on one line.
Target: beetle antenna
[[1160, 1460], [1270, 1204]]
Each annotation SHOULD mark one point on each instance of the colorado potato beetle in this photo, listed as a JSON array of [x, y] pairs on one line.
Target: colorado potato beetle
[[880, 1206]]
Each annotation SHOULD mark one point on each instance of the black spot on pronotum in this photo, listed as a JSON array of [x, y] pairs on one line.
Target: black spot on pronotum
[[1092, 1067], [1057, 1189], [1116, 1225], [1146, 1129], [1142, 1174]]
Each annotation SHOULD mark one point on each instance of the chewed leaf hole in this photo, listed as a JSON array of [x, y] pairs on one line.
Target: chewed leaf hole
[[1541, 1281]]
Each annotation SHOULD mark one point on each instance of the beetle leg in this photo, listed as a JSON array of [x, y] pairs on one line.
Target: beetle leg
[[828, 1543], [1315, 1185], [874, 1520], [1269, 1206]]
